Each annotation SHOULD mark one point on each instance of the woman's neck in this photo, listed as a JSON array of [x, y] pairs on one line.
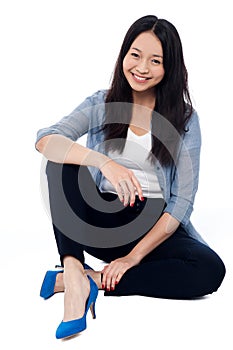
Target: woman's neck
[[145, 99], [141, 117]]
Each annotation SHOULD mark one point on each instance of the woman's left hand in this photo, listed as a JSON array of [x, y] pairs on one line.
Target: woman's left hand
[[113, 272]]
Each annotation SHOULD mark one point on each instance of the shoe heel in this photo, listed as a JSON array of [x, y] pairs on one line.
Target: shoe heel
[[92, 308], [47, 288]]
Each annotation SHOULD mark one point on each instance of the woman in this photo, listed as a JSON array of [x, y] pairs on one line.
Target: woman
[[127, 197]]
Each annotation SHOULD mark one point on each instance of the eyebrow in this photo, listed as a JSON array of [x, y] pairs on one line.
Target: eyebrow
[[155, 55]]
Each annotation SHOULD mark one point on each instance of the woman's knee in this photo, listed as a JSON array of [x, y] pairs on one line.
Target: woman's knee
[[212, 271], [220, 271]]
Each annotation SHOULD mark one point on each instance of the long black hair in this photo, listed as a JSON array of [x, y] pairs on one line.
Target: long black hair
[[173, 100]]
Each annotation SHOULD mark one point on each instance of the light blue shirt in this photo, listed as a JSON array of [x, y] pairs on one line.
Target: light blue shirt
[[178, 182]]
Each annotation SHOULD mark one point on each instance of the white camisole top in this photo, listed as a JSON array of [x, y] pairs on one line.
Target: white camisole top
[[135, 157]]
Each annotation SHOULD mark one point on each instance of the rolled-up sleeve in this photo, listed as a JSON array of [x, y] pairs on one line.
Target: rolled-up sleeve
[[76, 124], [184, 182]]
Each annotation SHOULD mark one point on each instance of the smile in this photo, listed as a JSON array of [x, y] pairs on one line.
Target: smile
[[140, 79]]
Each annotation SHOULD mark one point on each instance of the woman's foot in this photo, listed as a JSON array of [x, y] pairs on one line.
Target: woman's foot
[[77, 289], [96, 276], [75, 313]]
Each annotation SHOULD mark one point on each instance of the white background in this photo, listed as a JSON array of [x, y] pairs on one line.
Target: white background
[[53, 55]]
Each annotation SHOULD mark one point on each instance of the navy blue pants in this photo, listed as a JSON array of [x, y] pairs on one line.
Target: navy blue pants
[[179, 268]]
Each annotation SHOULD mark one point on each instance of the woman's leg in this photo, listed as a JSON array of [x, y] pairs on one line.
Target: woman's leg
[[80, 213], [180, 268], [77, 288], [65, 198], [64, 193], [68, 187]]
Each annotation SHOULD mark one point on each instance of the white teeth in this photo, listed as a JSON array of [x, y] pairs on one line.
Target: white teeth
[[139, 78]]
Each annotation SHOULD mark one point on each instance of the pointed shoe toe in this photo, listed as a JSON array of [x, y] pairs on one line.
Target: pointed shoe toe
[[69, 328]]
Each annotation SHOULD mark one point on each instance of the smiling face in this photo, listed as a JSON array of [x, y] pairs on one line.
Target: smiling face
[[143, 63]]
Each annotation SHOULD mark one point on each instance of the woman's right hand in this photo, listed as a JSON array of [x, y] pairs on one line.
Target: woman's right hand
[[123, 180]]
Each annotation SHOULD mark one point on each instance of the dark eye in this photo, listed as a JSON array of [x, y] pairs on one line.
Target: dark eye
[[134, 54], [155, 61]]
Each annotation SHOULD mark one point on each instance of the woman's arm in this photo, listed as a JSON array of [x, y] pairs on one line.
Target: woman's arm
[[161, 231], [61, 149], [185, 177]]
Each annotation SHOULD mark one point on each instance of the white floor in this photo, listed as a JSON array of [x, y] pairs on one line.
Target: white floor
[[27, 321]]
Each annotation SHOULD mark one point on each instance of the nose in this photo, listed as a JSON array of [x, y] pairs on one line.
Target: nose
[[142, 67]]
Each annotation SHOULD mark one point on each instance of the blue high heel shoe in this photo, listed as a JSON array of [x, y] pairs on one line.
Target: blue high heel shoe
[[47, 288], [69, 328]]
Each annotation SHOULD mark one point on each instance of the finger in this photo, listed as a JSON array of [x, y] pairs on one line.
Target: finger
[[131, 188], [107, 277], [104, 276], [138, 187], [108, 282], [118, 278], [115, 278], [125, 191], [119, 192], [111, 276], [105, 268]]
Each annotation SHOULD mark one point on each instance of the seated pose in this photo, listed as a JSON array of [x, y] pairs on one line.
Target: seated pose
[[126, 198]]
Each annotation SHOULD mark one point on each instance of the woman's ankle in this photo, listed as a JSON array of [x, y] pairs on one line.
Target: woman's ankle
[[96, 276], [71, 262]]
